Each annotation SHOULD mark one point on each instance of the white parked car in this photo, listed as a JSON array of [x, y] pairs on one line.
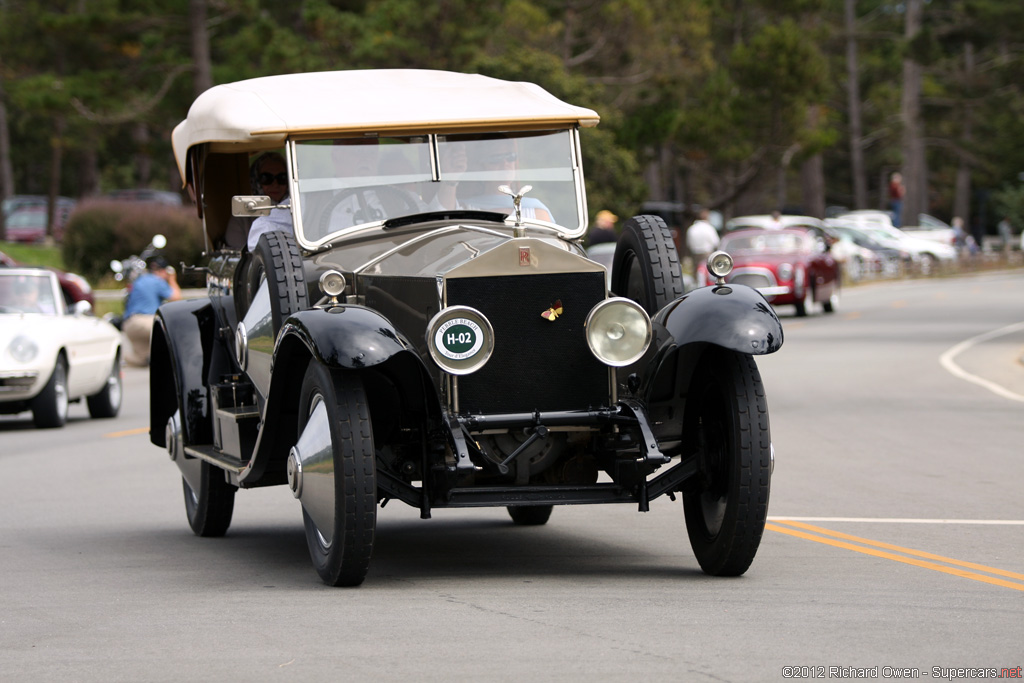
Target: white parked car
[[931, 228], [927, 253], [50, 356]]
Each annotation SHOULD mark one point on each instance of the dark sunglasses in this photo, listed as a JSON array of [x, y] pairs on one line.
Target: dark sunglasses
[[268, 178]]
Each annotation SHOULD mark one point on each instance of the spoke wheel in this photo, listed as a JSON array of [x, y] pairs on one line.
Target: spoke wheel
[[338, 488], [209, 506], [727, 506], [50, 407], [646, 267], [530, 515], [107, 401]]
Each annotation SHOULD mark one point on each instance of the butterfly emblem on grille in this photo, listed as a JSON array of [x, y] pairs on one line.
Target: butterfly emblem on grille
[[553, 312]]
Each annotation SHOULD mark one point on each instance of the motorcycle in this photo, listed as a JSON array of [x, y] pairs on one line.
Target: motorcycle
[[128, 271]]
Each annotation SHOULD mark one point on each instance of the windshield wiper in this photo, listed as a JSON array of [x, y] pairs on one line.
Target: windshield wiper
[[447, 215]]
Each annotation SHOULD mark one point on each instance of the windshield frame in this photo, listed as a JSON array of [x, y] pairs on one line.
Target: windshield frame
[[424, 158]]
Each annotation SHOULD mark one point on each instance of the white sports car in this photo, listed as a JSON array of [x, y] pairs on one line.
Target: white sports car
[[50, 356]]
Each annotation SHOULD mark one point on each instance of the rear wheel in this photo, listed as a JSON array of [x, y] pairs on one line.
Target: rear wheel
[[336, 482], [727, 506], [210, 505], [530, 515], [50, 407], [646, 267]]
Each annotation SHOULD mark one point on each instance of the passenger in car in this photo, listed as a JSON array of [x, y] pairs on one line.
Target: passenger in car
[[270, 174], [500, 159]]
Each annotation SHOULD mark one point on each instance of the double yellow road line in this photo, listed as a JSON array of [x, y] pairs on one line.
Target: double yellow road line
[[946, 565]]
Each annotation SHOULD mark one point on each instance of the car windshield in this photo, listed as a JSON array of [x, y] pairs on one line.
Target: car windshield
[[348, 182], [764, 242], [27, 293]]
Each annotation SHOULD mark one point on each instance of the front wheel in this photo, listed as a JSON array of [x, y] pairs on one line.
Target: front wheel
[[50, 407], [107, 401], [727, 506], [332, 471]]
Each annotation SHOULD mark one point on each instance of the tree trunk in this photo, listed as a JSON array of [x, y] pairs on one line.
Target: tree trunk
[[200, 46], [56, 157], [143, 159], [89, 170], [6, 170], [962, 193], [860, 186], [812, 174], [915, 170]]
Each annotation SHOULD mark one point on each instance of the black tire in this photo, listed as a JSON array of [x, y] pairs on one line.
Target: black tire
[[727, 507], [530, 515], [832, 303], [107, 401], [342, 559], [803, 305], [209, 509], [278, 260], [646, 267], [50, 407]]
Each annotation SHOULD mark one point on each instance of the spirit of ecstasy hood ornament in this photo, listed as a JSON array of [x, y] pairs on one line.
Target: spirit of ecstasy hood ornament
[[517, 200]]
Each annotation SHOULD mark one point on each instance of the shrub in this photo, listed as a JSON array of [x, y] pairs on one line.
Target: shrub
[[100, 231]]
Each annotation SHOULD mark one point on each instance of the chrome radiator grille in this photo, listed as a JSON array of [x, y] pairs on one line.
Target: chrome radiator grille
[[538, 364], [756, 279]]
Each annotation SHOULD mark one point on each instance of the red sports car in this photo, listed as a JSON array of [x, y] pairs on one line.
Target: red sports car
[[788, 266], [73, 286]]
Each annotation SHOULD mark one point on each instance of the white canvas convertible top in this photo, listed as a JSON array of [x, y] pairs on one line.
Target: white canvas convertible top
[[261, 112]]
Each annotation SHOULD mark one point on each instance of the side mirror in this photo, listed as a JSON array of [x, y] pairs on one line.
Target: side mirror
[[251, 205], [81, 308], [116, 266], [159, 241]]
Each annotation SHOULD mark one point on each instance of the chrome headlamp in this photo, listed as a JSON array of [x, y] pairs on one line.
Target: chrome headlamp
[[785, 271], [618, 331], [23, 349]]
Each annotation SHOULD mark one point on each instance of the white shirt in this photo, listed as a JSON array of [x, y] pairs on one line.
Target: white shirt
[[279, 219], [702, 238]]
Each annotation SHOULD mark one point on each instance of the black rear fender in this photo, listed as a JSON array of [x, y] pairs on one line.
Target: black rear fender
[[179, 363]]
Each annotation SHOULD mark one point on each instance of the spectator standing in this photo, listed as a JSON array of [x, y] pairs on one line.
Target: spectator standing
[[604, 228], [701, 240], [896, 193], [1006, 233], [151, 289]]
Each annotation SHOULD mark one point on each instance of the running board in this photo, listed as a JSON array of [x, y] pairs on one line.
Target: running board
[[215, 457]]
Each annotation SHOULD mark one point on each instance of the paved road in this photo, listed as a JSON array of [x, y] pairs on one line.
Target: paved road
[[895, 541]]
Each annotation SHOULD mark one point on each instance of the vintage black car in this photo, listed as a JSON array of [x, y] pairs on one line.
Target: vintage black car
[[417, 320]]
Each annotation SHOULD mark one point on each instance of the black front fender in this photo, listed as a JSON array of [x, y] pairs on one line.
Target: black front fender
[[346, 338], [735, 317], [350, 337]]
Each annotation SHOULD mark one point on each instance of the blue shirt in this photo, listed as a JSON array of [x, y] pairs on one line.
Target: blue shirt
[[148, 292]]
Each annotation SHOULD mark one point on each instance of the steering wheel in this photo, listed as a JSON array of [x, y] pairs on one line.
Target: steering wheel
[[374, 203]]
